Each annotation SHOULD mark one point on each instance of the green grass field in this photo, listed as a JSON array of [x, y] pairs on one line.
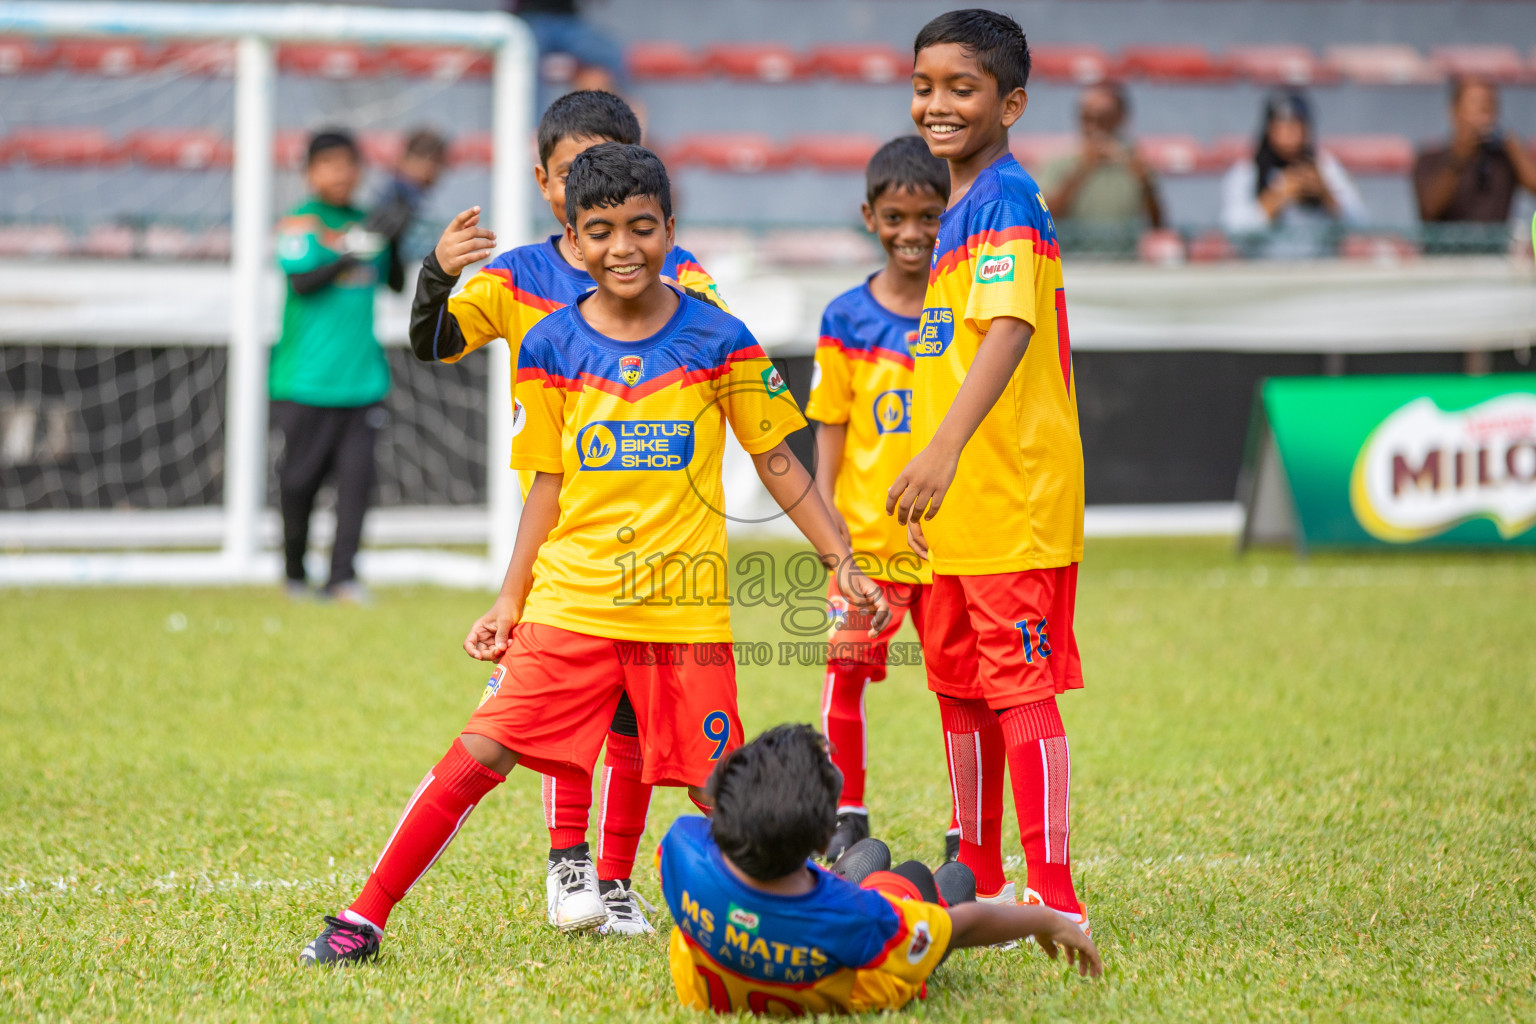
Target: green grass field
[[1302, 792]]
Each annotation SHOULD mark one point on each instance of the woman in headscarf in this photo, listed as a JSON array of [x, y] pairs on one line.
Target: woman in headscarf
[[1290, 191]]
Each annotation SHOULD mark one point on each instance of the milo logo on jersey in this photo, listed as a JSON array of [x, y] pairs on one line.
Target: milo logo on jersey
[[934, 332], [635, 444], [893, 411], [994, 269], [1424, 470]]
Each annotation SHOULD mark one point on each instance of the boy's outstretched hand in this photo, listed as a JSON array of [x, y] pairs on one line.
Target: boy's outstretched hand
[[922, 485], [464, 242], [1080, 948], [487, 638], [985, 924]]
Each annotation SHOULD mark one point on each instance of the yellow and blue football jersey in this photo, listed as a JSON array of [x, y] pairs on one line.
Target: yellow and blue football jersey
[[837, 948], [637, 429]]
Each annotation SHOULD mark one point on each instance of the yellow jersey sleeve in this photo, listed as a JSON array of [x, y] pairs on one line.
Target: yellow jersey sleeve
[[1008, 269], [486, 309], [696, 279], [831, 398], [898, 975], [757, 401], [538, 420]]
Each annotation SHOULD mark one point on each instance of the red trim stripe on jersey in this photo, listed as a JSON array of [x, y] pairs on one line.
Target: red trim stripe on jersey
[[869, 355], [1049, 249], [677, 375], [748, 979], [528, 299]]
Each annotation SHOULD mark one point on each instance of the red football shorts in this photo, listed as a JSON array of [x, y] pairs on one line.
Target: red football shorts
[[851, 643], [553, 694], [1005, 638]]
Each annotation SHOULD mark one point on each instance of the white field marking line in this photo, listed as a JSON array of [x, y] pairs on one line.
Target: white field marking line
[[1304, 577], [199, 882], [1209, 861]]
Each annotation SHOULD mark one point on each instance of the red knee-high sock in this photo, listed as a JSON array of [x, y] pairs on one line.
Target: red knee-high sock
[[842, 719], [567, 806], [432, 817], [974, 745], [1041, 769], [626, 801]]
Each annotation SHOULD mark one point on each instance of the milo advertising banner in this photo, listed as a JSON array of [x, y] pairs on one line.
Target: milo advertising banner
[[1392, 461]]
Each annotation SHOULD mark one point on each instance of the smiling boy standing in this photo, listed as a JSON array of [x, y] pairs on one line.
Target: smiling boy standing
[[996, 485]]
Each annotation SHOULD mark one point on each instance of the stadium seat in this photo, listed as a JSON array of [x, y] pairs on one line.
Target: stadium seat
[[1381, 64], [663, 61], [742, 154], [1211, 246], [329, 60], [1174, 64], [1081, 64], [213, 58], [476, 150], [1371, 154], [1222, 153], [1377, 247], [1499, 63], [288, 149], [22, 56], [188, 150], [67, 147], [1277, 65], [833, 152], [109, 241], [108, 57], [1170, 154], [46, 240], [875, 64], [763, 62], [445, 63], [1035, 151], [382, 149]]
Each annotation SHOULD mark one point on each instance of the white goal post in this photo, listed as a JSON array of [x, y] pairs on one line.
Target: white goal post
[[256, 29]]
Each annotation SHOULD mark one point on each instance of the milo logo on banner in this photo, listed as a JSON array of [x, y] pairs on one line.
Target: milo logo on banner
[[1422, 471]]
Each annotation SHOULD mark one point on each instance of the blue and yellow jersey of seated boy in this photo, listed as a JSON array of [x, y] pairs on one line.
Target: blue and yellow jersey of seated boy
[[837, 948], [637, 429]]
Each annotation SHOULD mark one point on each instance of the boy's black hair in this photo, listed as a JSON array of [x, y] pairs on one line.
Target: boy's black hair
[[995, 40], [428, 144], [610, 173], [589, 114], [905, 162], [775, 801], [332, 138]]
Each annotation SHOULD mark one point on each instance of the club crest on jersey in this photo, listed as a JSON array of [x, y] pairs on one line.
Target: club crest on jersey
[[994, 269], [630, 369], [773, 380], [493, 687], [922, 938], [934, 332], [635, 444], [893, 411]]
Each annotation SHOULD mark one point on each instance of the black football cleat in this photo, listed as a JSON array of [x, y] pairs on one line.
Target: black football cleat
[[852, 826], [342, 942], [863, 859], [956, 883], [951, 847]]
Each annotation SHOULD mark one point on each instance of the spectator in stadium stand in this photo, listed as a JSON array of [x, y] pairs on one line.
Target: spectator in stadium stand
[[1472, 178], [1290, 198], [420, 165], [559, 29], [328, 375], [1104, 186]]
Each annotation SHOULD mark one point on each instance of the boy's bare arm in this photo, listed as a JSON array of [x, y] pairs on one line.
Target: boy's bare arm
[[923, 484], [791, 486], [985, 924], [487, 639], [831, 439]]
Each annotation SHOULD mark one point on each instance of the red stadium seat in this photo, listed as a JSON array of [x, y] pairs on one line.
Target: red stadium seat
[[288, 149], [1381, 64], [1174, 64], [833, 152], [21, 56], [1499, 63], [1035, 151], [201, 58], [1171, 154], [1371, 154], [330, 60], [1221, 154], [741, 154], [475, 150], [1080, 64], [662, 61], [65, 147], [46, 240], [383, 149], [876, 64], [763, 62], [108, 56], [1278, 65], [1378, 247], [445, 63], [187, 150], [1211, 247], [109, 241]]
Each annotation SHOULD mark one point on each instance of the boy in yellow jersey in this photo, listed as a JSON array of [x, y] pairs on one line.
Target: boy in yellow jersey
[[861, 393], [510, 294], [618, 580], [762, 929], [996, 484]]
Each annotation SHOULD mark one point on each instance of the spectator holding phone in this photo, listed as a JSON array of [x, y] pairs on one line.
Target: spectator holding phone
[[1290, 194], [1473, 177]]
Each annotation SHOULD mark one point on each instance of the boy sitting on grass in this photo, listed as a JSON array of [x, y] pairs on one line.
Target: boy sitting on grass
[[761, 928]]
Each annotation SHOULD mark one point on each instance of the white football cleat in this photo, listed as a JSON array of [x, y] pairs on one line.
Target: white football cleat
[[1007, 896], [1032, 899], [626, 913], [571, 897]]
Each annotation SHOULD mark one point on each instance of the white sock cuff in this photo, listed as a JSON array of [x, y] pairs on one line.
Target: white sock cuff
[[354, 917]]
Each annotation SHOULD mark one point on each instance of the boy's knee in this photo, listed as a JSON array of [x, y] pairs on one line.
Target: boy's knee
[[489, 753]]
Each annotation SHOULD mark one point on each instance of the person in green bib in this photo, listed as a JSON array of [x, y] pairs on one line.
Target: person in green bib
[[329, 377]]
